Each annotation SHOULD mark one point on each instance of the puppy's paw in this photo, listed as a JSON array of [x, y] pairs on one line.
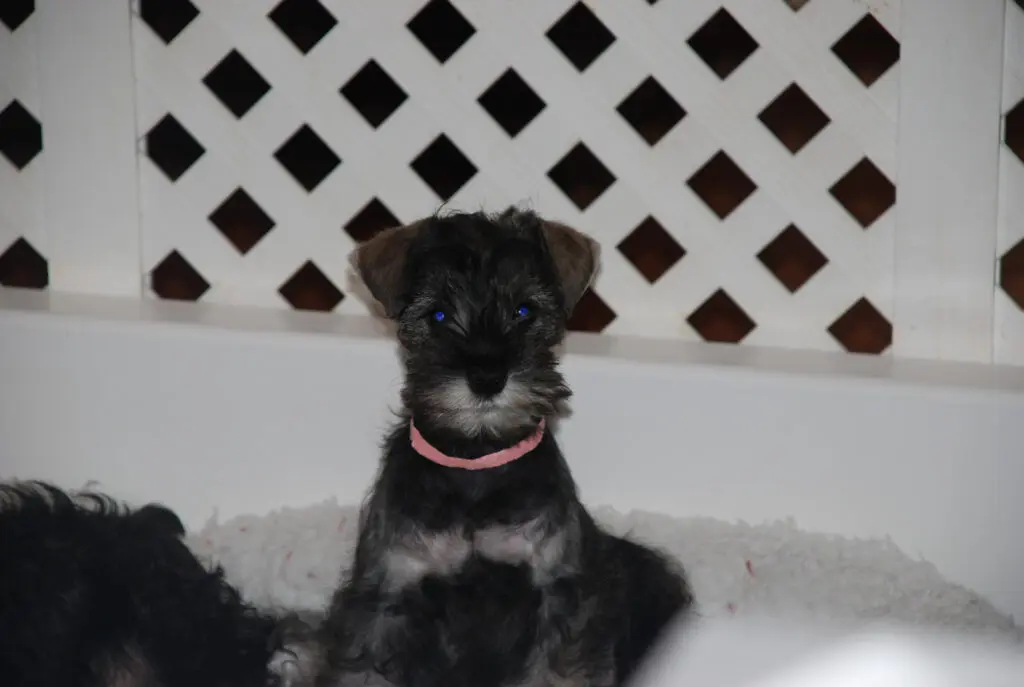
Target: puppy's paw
[[297, 653], [291, 667]]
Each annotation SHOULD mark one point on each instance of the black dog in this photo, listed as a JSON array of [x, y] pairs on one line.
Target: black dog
[[94, 594], [467, 577]]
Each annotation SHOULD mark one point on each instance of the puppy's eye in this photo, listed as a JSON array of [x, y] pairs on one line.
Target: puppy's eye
[[438, 316], [522, 311]]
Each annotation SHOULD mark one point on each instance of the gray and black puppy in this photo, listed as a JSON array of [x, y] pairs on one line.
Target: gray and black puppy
[[476, 564]]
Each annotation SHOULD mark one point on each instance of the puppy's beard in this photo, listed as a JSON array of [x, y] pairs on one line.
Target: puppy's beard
[[455, 406]]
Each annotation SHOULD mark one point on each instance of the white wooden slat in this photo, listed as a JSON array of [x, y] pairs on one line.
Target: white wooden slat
[[19, 76], [948, 178], [886, 92], [1013, 73], [887, 13], [1009, 315], [87, 96], [827, 20], [826, 79]]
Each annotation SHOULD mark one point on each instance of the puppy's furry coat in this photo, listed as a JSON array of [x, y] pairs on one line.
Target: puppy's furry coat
[[93, 594], [496, 577]]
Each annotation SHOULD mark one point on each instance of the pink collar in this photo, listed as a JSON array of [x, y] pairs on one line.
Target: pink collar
[[491, 460]]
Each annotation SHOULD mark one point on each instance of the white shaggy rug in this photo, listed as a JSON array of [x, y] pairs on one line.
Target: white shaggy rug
[[292, 558]]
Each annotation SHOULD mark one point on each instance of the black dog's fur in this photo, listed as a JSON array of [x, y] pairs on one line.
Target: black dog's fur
[[94, 594], [497, 577]]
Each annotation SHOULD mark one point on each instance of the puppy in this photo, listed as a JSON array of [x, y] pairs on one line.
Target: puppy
[[476, 564], [94, 594]]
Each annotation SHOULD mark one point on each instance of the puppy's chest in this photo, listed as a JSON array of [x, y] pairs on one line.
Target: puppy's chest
[[541, 552]]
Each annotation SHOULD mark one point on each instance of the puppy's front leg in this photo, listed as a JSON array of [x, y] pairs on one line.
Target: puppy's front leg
[[367, 643]]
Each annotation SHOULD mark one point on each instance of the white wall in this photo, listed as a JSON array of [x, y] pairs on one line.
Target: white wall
[[244, 411]]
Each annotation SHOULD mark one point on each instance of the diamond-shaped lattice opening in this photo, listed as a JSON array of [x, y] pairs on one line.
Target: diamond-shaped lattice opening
[[236, 83], [13, 13], [167, 18], [792, 258], [868, 50], [1011, 273], [794, 118], [304, 22], [651, 110], [307, 158], [721, 184], [581, 176], [371, 220], [580, 36], [310, 289], [865, 192], [1013, 130], [443, 167], [721, 319], [722, 43], [21, 136], [591, 314], [651, 249], [172, 148], [241, 220], [175, 279], [796, 4], [862, 329], [22, 266], [441, 29], [373, 93], [511, 102]]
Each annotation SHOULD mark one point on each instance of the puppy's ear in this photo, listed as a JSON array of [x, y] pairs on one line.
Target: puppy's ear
[[576, 257], [380, 263]]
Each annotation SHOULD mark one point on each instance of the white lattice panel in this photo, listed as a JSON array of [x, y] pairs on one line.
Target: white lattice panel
[[1009, 301], [23, 240], [719, 64]]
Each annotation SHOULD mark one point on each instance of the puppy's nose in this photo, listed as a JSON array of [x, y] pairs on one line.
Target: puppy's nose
[[486, 381]]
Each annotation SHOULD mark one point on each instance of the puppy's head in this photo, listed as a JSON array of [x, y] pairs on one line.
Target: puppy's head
[[480, 302]]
